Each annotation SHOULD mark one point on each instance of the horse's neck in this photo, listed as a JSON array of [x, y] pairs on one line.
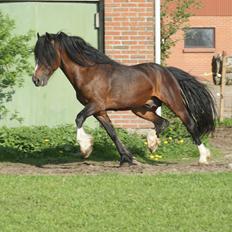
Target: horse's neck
[[71, 70]]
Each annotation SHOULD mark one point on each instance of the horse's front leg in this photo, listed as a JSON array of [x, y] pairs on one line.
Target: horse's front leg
[[85, 140], [103, 118]]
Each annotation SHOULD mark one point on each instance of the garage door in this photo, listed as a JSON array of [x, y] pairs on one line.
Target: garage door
[[55, 103]]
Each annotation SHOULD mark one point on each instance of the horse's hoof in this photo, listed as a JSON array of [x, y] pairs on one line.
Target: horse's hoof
[[85, 155], [124, 164], [86, 143], [205, 155], [201, 163], [152, 141], [86, 151], [126, 161], [86, 147]]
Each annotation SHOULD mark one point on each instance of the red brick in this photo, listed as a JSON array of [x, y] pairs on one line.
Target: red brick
[[199, 64], [129, 23]]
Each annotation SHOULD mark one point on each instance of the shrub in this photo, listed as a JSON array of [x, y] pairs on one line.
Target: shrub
[[40, 145], [14, 63], [176, 128], [36, 139]]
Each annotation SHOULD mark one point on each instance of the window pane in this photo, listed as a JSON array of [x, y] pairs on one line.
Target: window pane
[[199, 38]]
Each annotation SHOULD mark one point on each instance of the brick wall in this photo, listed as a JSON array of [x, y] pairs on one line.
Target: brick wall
[[199, 63], [129, 39]]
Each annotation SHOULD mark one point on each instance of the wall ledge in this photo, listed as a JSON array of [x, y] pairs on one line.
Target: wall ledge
[[199, 50]]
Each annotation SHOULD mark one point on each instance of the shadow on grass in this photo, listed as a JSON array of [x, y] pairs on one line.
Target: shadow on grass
[[69, 153], [39, 146]]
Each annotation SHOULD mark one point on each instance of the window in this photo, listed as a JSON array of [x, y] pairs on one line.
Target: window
[[199, 38]]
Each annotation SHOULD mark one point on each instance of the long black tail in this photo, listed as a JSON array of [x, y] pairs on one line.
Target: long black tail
[[198, 100]]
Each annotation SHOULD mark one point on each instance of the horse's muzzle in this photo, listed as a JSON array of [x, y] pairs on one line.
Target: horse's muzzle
[[42, 81]]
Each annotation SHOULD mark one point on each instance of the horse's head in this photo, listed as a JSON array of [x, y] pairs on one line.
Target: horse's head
[[47, 58], [217, 69]]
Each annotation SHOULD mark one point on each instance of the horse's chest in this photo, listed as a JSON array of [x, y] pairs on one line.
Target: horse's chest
[[82, 99]]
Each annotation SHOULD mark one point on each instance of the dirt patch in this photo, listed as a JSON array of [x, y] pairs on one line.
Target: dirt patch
[[221, 140], [92, 167]]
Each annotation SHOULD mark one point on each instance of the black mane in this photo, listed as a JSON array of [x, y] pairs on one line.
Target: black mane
[[76, 48]]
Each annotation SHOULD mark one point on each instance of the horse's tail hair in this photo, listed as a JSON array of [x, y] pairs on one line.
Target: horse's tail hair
[[198, 99]]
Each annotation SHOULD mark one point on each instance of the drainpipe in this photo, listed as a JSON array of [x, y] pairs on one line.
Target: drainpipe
[[157, 31], [157, 39]]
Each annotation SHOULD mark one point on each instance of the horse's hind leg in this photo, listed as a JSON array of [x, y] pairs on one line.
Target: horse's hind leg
[[193, 130], [160, 125], [103, 118], [191, 126], [150, 114]]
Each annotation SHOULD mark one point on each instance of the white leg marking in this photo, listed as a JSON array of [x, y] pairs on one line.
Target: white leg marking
[[152, 140], [85, 141], [204, 154]]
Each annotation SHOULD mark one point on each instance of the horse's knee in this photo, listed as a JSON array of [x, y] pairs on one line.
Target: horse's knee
[[79, 120]]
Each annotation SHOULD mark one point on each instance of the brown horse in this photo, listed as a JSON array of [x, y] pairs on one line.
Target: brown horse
[[102, 84]]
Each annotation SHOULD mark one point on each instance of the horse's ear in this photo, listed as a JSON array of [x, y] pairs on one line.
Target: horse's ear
[[38, 35], [48, 36]]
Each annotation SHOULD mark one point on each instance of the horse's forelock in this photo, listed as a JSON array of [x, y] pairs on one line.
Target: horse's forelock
[[44, 51]]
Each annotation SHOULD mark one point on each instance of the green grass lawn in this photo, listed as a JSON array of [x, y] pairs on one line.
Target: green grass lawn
[[167, 202]]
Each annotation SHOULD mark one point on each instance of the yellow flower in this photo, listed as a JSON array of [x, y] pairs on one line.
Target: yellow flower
[[181, 141], [158, 156], [46, 140], [145, 143], [155, 157], [165, 142], [170, 138]]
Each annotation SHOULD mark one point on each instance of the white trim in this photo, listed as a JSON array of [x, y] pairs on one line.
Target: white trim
[[157, 32], [157, 39]]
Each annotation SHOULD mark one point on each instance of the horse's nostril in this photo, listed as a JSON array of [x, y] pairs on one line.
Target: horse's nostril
[[36, 81]]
